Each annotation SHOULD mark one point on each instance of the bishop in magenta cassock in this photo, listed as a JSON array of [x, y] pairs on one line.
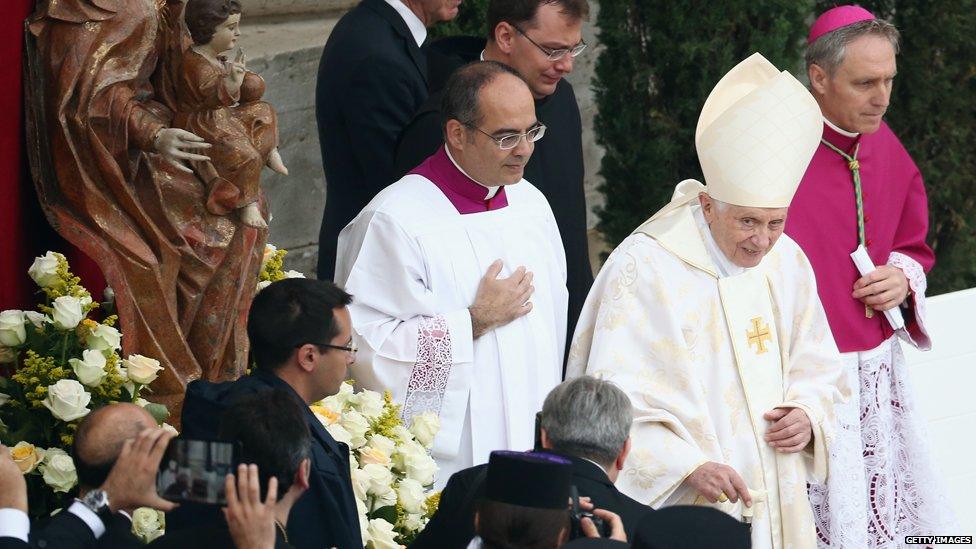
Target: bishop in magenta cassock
[[437, 324], [862, 188]]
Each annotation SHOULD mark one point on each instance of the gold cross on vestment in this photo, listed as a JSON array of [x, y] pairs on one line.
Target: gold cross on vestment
[[759, 335]]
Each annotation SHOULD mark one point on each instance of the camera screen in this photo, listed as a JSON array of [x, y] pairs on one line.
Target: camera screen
[[194, 470]]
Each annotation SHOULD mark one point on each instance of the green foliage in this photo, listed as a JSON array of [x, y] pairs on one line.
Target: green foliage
[[932, 111], [660, 61], [470, 21]]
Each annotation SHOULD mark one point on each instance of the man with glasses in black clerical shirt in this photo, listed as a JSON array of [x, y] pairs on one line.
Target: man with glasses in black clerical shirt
[[540, 39], [460, 277]]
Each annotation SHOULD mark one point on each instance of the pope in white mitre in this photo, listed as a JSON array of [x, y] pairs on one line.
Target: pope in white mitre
[[708, 316]]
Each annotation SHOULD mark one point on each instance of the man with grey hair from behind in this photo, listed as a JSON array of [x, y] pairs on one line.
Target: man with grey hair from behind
[[585, 420], [862, 191]]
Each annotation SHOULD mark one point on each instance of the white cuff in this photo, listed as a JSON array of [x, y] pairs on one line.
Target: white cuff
[[89, 517], [462, 338], [14, 524]]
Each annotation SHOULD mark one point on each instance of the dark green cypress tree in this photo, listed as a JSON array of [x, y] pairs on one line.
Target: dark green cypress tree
[[933, 111], [470, 21], [659, 63]]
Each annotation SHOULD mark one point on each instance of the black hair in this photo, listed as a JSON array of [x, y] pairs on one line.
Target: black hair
[[203, 16]]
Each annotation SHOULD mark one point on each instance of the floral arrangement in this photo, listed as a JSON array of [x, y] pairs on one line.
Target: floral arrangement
[[66, 364], [392, 471], [272, 267]]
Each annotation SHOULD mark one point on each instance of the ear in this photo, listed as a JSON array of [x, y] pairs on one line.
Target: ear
[[305, 357], [303, 475], [707, 206], [505, 35], [455, 134], [544, 436], [622, 456], [477, 520], [818, 78]]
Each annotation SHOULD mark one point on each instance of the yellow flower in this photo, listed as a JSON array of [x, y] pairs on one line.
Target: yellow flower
[[26, 456]]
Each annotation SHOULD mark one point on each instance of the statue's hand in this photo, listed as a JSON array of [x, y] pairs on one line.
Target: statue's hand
[[174, 144], [237, 68]]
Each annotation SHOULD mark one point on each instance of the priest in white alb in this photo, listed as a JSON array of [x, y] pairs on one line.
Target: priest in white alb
[[708, 316], [460, 277]]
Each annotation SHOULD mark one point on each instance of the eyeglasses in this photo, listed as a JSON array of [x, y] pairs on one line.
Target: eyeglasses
[[511, 140], [351, 348], [554, 55]]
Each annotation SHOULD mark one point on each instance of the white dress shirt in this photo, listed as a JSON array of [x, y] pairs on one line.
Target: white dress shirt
[[416, 26]]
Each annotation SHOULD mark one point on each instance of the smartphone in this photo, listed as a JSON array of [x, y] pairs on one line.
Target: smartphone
[[194, 470]]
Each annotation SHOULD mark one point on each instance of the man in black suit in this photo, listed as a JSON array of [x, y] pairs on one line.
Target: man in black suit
[[275, 442], [372, 79], [539, 39], [585, 420], [116, 452], [301, 343]]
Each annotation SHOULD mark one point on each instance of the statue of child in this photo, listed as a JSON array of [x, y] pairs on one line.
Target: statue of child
[[218, 100]]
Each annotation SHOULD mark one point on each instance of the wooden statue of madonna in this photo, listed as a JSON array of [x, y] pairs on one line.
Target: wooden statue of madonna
[[146, 148]]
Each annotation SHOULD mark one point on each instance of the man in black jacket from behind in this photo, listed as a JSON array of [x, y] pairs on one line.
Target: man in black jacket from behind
[[301, 343], [539, 39], [372, 79], [585, 420]]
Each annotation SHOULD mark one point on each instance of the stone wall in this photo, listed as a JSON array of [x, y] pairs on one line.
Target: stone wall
[[283, 40]]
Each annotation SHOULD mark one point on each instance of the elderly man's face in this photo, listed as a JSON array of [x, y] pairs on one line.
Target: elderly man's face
[[743, 234], [856, 96], [552, 30], [506, 107]]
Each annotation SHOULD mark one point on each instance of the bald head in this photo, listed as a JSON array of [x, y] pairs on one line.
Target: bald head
[[100, 438]]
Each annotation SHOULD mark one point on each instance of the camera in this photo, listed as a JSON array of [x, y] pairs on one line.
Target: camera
[[576, 515]]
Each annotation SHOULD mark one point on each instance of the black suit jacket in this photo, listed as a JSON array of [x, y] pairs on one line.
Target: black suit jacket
[[211, 536], [372, 79], [453, 523], [326, 515], [555, 168], [66, 531]]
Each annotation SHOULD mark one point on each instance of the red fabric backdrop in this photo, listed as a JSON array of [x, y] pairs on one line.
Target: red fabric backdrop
[[24, 232]]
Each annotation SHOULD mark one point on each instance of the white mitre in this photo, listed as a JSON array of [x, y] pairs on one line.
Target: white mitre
[[756, 135]]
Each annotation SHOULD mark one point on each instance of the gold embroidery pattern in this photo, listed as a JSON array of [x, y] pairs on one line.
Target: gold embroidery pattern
[[759, 335]]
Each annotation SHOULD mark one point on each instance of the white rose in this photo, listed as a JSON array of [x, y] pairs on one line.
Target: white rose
[[4, 398], [147, 524], [402, 433], [141, 402], [411, 496], [357, 425], [425, 427], [339, 433], [368, 403], [363, 521], [385, 499], [407, 447], [414, 523], [382, 443], [360, 483], [36, 318], [420, 467], [104, 338], [293, 274], [26, 456], [44, 270], [380, 479], [263, 284], [12, 331], [67, 400], [91, 368], [58, 470], [67, 312], [381, 535], [141, 369], [269, 252], [338, 401]]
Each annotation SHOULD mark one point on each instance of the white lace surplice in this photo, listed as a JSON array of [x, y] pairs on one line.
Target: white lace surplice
[[413, 265], [885, 486]]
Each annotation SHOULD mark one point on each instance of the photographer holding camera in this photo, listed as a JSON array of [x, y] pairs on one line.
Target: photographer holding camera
[[586, 421]]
